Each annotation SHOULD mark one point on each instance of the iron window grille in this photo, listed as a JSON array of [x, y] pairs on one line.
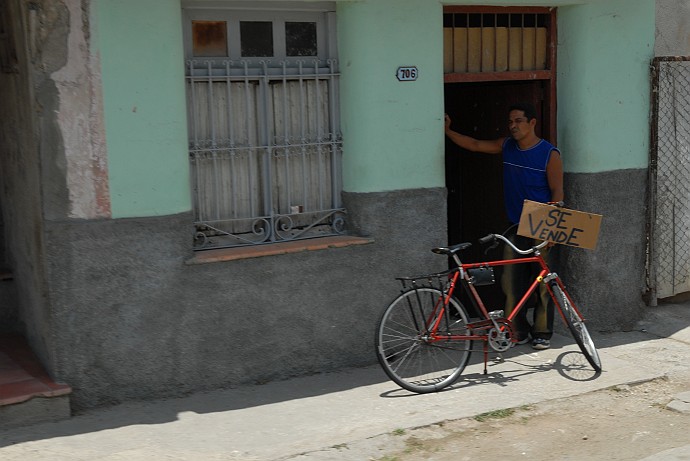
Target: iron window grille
[[264, 137]]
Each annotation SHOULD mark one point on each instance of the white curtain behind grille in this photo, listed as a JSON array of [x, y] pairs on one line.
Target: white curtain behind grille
[[252, 139], [301, 168]]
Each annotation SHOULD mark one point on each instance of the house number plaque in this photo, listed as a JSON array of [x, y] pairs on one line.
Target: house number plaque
[[407, 74]]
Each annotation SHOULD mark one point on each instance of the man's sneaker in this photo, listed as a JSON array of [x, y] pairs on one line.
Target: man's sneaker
[[540, 344]]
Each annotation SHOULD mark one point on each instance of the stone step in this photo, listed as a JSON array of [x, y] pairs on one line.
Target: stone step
[[27, 393]]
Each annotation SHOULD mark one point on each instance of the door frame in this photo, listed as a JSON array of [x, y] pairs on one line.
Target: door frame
[[548, 75]]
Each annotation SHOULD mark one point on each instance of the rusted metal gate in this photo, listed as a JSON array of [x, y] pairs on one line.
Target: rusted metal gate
[[668, 266]]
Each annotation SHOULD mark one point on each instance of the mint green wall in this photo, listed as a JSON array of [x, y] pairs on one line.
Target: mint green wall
[[392, 131], [140, 47], [605, 49]]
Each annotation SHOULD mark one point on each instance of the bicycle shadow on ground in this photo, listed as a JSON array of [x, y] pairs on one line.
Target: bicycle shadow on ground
[[575, 367], [564, 356], [514, 366], [667, 321]]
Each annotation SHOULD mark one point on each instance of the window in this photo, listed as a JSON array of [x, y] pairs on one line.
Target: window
[[265, 144], [209, 38], [256, 38], [300, 38]]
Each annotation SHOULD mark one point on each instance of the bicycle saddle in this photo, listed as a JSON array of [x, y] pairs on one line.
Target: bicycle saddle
[[452, 249]]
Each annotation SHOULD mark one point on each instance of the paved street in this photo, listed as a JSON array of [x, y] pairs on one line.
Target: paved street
[[313, 418]]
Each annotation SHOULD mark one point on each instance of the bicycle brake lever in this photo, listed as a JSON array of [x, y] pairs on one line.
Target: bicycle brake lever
[[491, 247]]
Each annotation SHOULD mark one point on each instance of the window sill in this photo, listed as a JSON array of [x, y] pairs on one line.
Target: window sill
[[257, 251]]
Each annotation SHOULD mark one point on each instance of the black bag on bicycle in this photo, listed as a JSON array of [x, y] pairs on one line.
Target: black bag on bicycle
[[482, 276]]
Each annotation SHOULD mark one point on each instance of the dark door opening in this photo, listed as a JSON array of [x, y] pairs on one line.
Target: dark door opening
[[475, 181]]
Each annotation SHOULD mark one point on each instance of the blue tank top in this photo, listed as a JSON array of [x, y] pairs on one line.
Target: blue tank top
[[524, 175]]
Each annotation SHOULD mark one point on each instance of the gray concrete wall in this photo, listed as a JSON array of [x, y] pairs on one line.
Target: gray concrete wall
[[672, 28], [133, 321], [608, 282]]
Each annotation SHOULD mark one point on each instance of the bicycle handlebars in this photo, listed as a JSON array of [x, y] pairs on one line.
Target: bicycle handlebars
[[487, 239], [491, 238]]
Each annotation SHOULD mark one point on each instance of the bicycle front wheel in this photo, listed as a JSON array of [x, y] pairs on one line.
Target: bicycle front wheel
[[412, 357], [578, 329]]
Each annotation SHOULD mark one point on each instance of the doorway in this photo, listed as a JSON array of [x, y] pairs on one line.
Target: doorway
[[475, 181], [494, 57]]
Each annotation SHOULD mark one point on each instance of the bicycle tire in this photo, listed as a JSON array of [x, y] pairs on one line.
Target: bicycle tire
[[578, 329], [407, 358]]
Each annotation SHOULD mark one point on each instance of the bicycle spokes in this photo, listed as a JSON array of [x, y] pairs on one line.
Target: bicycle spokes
[[423, 356], [577, 327]]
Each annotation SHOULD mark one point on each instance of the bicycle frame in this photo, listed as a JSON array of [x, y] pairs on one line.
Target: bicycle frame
[[460, 274], [424, 337], [474, 295]]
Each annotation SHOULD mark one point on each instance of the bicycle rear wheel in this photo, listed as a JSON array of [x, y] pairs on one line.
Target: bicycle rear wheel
[[405, 350], [578, 329]]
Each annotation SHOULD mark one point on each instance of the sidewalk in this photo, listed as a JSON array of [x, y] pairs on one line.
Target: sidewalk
[[315, 418]]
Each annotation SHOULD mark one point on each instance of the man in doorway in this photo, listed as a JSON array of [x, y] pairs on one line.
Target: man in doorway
[[533, 170]]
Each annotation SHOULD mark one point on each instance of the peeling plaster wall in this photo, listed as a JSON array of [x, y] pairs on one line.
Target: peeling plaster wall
[[66, 80], [80, 120], [47, 31]]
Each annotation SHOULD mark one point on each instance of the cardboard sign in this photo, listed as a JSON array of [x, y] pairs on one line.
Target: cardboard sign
[[559, 225]]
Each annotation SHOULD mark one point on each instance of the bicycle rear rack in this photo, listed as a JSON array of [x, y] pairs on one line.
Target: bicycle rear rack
[[438, 280]]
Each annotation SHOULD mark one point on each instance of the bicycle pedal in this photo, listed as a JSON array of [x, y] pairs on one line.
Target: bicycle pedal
[[496, 314]]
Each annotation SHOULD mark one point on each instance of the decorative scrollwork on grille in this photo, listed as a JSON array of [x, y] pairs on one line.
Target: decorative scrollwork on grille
[[270, 229]]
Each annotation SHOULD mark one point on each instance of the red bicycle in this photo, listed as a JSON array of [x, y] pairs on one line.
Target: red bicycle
[[424, 337]]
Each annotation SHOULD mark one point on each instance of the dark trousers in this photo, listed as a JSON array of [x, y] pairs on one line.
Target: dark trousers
[[515, 281]]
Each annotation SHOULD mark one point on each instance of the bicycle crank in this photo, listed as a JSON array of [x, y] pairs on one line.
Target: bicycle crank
[[500, 338]]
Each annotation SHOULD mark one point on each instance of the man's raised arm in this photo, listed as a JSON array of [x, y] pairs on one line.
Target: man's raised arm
[[493, 146]]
